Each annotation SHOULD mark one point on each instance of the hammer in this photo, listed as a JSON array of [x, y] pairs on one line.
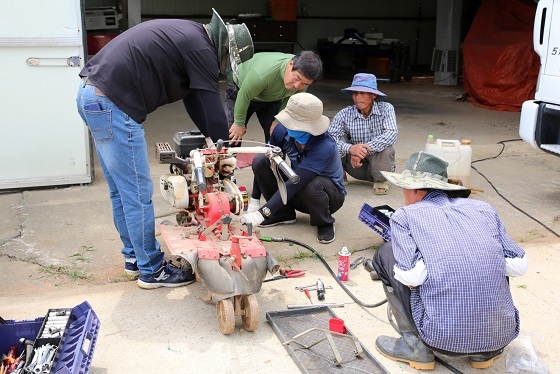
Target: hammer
[[28, 345]]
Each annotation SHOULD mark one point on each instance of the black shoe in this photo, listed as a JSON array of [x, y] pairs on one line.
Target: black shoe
[[485, 360], [325, 234], [131, 268], [167, 276], [274, 220]]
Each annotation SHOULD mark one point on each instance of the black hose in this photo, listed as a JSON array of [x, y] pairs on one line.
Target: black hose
[[358, 301]]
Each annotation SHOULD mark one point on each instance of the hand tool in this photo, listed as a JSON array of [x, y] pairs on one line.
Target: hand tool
[[332, 305], [28, 345], [284, 271], [355, 264], [308, 295], [368, 265], [311, 287], [320, 290], [290, 274]]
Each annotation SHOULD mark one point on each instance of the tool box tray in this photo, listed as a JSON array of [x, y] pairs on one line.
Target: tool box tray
[[377, 220], [75, 346]]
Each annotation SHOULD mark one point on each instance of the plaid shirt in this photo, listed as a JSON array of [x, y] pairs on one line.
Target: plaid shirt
[[378, 130], [465, 305]]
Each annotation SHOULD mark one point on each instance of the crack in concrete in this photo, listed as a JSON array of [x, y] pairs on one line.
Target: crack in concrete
[[23, 213]]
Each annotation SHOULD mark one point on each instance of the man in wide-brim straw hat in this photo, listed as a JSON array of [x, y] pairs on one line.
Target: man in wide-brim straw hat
[[301, 134], [445, 271], [152, 64]]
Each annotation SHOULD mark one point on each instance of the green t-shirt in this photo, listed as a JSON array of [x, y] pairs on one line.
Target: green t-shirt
[[261, 78]]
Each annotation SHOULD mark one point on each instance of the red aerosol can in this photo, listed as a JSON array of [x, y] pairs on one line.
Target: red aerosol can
[[343, 264]]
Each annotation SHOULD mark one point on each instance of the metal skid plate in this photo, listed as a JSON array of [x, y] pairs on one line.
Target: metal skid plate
[[319, 357], [209, 256]]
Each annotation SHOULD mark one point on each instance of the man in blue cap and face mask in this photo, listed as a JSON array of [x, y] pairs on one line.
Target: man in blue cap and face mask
[[365, 133], [301, 134]]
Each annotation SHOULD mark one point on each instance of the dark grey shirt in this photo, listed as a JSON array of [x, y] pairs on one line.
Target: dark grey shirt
[[154, 63]]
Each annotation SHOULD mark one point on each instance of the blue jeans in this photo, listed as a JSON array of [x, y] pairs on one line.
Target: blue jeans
[[121, 148]]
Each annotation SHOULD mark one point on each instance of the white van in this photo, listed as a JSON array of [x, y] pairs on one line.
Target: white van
[[540, 118]]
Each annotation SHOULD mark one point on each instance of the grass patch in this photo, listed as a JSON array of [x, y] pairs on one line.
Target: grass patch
[[80, 257], [63, 271]]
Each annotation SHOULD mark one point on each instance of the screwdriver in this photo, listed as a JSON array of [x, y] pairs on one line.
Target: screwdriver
[[306, 291]]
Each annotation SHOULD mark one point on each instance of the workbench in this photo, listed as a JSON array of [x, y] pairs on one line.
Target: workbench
[[389, 62]]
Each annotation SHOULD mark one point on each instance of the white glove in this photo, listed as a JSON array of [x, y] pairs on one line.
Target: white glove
[[254, 205], [255, 218]]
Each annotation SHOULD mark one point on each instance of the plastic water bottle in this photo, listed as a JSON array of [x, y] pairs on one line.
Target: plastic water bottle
[[464, 167], [458, 155], [343, 264]]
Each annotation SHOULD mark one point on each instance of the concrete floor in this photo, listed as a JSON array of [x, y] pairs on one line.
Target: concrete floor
[[59, 248]]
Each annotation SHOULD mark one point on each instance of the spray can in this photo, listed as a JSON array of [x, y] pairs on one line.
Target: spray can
[[343, 264]]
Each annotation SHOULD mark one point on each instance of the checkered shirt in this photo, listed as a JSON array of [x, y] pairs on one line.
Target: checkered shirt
[[465, 305], [378, 130]]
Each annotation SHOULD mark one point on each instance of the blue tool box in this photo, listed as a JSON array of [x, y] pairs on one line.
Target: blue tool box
[[377, 220], [75, 345]]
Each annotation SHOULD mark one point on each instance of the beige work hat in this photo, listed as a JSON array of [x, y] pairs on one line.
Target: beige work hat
[[304, 112]]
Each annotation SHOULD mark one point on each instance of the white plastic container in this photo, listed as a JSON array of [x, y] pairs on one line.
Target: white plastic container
[[458, 154]]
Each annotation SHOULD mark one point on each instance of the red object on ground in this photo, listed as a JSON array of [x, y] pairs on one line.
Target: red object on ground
[[337, 325], [500, 66]]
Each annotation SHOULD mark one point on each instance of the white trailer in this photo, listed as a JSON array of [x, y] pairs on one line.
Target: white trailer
[[540, 118], [43, 141]]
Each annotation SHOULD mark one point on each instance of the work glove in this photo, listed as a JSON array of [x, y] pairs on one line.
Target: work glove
[[256, 218]]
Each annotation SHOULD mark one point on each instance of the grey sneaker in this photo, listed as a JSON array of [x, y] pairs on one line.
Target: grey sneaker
[[167, 276]]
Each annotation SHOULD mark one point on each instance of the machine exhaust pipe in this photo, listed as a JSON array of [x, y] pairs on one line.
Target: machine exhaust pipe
[[271, 264]]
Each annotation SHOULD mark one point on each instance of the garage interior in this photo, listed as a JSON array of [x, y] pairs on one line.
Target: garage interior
[[394, 40]]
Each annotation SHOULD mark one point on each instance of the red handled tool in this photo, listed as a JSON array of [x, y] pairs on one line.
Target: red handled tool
[[306, 291], [296, 273]]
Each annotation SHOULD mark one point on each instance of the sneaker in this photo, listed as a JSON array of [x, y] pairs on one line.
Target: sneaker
[[485, 360], [325, 234], [131, 268], [167, 276], [274, 220]]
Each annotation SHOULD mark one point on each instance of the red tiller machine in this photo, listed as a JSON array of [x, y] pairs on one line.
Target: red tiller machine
[[225, 255]]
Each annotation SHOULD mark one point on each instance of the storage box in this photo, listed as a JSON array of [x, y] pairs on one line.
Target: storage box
[[75, 346], [283, 10], [377, 220], [97, 41]]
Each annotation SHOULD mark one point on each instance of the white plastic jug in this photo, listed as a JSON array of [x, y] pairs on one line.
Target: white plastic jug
[[458, 154]]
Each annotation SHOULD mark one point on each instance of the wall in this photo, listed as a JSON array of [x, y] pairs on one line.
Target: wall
[[412, 22]]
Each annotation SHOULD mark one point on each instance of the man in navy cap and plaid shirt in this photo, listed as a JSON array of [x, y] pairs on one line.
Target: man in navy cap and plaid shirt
[[445, 271]]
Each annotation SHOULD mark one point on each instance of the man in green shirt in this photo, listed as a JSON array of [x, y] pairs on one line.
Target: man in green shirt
[[263, 85]]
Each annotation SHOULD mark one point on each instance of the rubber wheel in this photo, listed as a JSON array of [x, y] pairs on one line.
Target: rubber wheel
[[250, 308], [226, 316]]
